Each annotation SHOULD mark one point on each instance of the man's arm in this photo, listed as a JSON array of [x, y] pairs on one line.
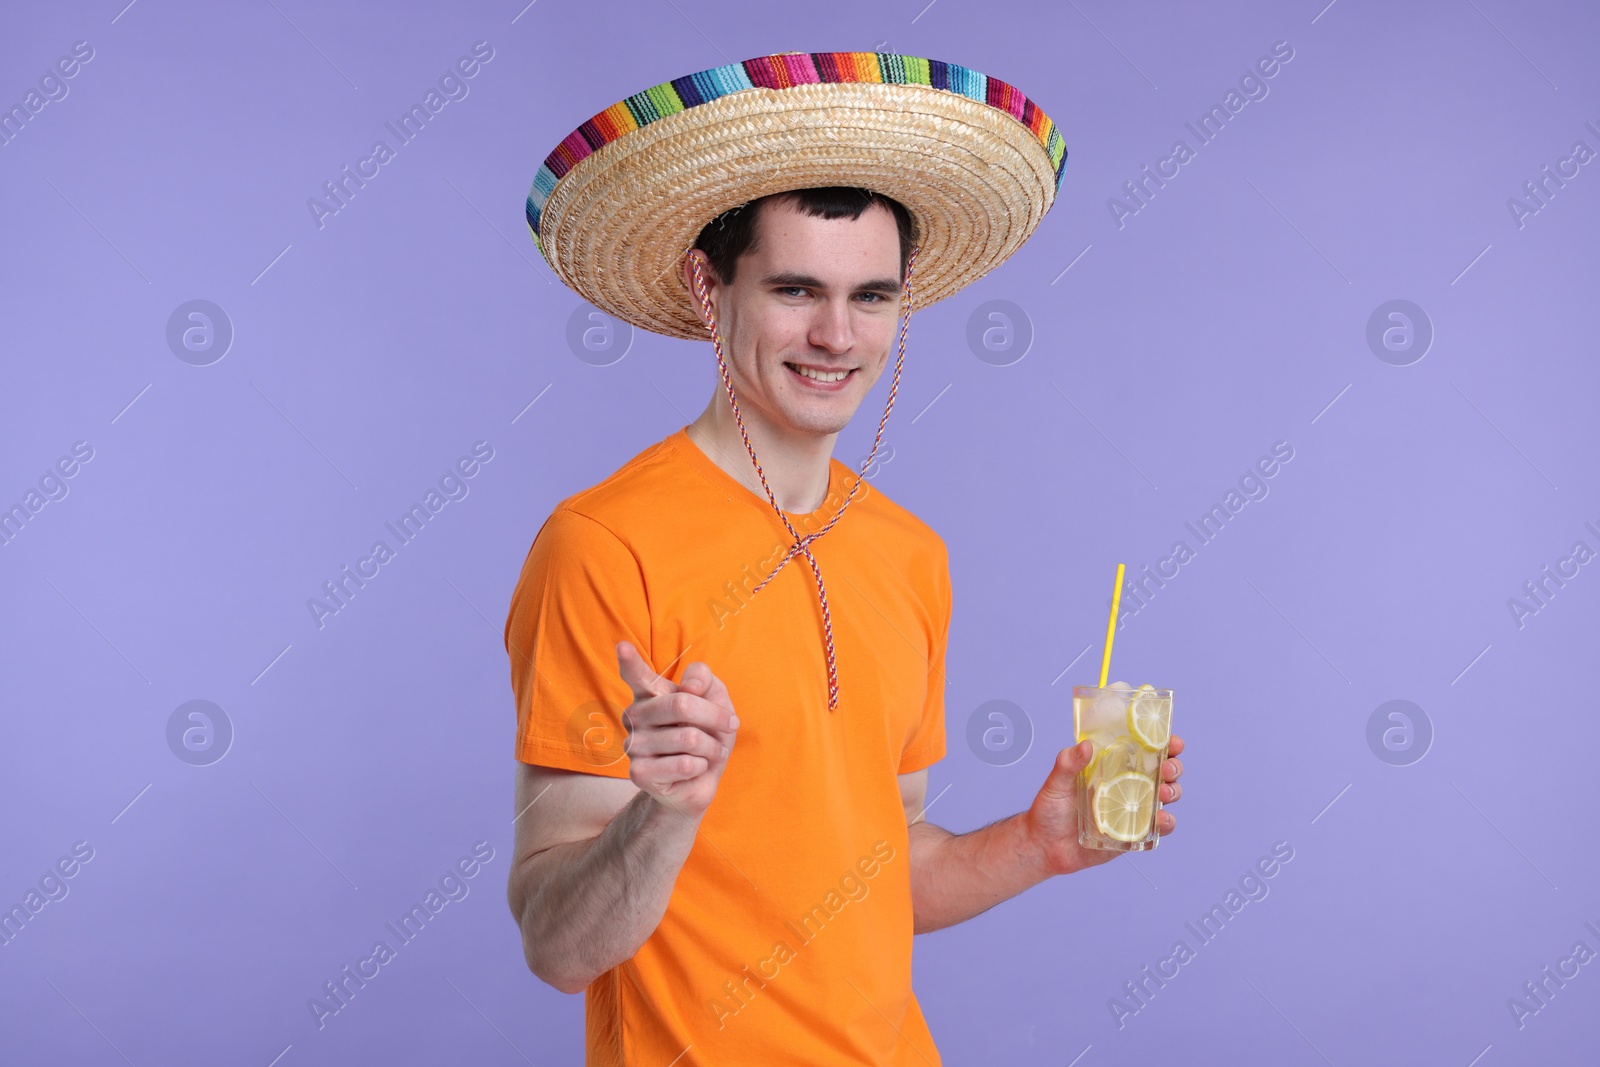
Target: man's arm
[[957, 876], [593, 866], [595, 858]]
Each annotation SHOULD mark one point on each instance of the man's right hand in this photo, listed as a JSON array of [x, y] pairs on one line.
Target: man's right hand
[[679, 734], [595, 860]]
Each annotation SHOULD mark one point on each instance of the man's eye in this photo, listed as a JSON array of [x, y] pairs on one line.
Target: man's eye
[[788, 289], [876, 298]]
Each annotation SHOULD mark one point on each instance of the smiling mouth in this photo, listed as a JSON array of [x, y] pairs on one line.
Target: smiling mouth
[[821, 377]]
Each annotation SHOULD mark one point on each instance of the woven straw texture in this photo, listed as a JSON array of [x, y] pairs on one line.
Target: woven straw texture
[[976, 180]]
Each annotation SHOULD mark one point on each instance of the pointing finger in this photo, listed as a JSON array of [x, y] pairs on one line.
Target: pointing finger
[[639, 675]]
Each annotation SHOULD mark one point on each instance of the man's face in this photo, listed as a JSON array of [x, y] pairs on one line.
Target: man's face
[[815, 295]]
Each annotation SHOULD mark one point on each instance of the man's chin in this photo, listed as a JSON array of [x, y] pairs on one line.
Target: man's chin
[[819, 423]]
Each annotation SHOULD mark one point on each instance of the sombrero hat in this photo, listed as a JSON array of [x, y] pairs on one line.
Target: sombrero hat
[[624, 196]]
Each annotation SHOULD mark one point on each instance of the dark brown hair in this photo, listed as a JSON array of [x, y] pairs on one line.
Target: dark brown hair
[[733, 233]]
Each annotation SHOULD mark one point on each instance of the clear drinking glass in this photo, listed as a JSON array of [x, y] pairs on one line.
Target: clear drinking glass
[[1119, 792]]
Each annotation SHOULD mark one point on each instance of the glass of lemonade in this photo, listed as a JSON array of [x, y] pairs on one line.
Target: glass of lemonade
[[1119, 792]]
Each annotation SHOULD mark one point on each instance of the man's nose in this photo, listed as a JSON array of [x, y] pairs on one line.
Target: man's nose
[[831, 327]]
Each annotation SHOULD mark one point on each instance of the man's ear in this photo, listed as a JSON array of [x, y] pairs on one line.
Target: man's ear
[[707, 272]]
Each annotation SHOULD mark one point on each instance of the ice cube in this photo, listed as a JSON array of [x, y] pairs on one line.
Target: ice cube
[[1118, 758], [1110, 707]]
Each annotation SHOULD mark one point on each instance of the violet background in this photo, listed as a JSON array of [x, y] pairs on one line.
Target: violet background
[[1228, 314]]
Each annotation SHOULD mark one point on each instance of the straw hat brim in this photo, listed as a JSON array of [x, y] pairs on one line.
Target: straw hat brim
[[975, 179]]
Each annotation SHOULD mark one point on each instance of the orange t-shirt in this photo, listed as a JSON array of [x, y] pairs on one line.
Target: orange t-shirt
[[788, 935]]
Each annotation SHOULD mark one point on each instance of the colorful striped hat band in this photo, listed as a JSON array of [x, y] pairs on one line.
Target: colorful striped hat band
[[623, 197]]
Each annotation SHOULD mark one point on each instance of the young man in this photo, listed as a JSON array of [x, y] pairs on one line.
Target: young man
[[732, 864]]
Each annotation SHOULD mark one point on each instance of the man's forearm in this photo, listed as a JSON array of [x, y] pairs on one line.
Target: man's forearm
[[588, 905], [954, 877]]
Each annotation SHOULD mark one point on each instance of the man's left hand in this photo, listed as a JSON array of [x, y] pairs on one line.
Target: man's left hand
[[1052, 819]]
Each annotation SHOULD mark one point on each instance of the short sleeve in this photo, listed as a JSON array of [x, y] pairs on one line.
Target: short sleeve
[[581, 591], [927, 744]]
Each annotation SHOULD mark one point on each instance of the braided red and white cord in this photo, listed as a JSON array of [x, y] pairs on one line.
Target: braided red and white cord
[[802, 544]]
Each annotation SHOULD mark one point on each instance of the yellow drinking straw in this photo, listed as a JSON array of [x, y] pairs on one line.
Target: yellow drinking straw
[[1111, 628]]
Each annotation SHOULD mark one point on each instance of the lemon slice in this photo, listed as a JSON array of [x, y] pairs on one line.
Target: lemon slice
[[1150, 719], [1111, 757], [1123, 805], [1094, 760]]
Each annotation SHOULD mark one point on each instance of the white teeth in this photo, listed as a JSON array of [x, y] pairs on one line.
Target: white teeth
[[821, 376]]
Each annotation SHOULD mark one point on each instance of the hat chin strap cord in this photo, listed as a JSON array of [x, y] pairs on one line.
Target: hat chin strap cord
[[802, 544]]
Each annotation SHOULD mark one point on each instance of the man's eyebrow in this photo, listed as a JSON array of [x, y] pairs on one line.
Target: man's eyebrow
[[885, 286]]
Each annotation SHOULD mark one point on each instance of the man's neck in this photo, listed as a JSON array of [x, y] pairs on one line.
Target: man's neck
[[795, 465]]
